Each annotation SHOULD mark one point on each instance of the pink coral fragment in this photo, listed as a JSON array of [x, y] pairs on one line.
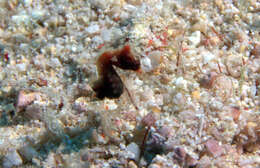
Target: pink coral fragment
[[25, 99], [214, 148]]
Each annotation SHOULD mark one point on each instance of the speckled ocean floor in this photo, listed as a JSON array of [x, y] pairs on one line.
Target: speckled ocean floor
[[195, 102]]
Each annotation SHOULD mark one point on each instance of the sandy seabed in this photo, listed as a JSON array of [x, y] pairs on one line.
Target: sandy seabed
[[194, 104]]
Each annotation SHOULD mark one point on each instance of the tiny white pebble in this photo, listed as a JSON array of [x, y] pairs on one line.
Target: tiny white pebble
[[207, 56], [55, 62], [38, 14], [146, 64], [21, 67], [181, 83], [195, 38], [27, 2], [111, 105], [21, 19], [92, 29]]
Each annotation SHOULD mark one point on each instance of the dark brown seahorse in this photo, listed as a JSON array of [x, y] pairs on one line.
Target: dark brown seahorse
[[109, 83]]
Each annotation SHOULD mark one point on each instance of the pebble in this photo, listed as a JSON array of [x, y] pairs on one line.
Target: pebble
[[140, 30], [134, 149], [235, 113], [158, 161], [179, 154], [200, 26], [205, 162], [207, 56], [106, 35], [234, 64], [135, 2], [99, 4], [132, 164], [223, 87], [149, 120], [181, 83], [55, 62], [256, 50], [110, 104], [130, 8], [27, 2], [92, 29], [21, 19], [28, 152], [38, 14], [138, 82], [231, 10], [2, 75], [21, 67], [34, 112], [116, 33], [11, 159], [154, 166], [146, 64], [194, 39], [246, 162], [97, 40], [214, 148], [155, 57], [25, 99]]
